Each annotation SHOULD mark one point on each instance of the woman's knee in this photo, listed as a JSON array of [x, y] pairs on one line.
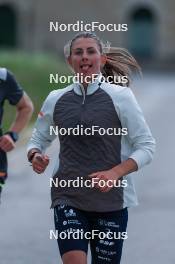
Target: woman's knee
[[75, 257]]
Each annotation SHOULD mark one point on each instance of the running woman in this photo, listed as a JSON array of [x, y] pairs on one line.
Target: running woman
[[11, 91], [120, 144]]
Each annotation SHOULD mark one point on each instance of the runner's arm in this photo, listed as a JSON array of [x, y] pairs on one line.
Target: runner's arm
[[41, 137]]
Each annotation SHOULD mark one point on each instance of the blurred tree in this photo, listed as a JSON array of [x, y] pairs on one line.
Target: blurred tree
[[7, 26]]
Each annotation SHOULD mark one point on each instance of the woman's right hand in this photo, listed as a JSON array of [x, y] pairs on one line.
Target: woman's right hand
[[40, 162]]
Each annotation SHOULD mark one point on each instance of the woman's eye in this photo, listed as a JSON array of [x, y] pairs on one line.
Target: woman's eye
[[91, 51], [78, 52]]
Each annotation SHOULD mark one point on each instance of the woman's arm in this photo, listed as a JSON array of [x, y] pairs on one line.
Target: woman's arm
[[41, 137], [139, 134], [114, 174], [139, 137]]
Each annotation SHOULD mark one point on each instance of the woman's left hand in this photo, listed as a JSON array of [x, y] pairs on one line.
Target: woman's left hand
[[108, 176]]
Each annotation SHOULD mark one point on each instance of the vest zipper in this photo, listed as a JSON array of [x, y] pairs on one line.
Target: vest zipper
[[83, 93]]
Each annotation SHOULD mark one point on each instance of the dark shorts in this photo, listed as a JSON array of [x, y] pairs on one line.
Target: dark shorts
[[105, 232], [3, 169], [2, 182], [3, 166]]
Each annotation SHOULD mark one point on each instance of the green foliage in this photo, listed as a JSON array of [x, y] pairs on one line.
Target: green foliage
[[32, 72]]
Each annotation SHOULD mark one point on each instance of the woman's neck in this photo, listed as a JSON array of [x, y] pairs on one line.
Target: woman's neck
[[90, 80]]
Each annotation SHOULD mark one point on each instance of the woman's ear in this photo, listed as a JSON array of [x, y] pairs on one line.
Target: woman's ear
[[69, 62]]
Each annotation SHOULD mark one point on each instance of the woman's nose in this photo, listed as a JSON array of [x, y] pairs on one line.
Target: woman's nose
[[85, 55]]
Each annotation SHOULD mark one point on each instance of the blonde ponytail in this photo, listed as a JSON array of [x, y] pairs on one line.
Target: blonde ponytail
[[120, 63]]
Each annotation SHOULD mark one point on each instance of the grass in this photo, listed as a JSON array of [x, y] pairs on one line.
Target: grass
[[32, 73]]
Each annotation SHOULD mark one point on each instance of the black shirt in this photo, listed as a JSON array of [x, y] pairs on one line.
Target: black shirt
[[9, 90]]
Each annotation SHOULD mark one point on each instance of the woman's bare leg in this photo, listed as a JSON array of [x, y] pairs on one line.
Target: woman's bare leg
[[75, 257]]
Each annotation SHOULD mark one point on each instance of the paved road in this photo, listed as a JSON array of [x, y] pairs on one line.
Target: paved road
[[25, 217]]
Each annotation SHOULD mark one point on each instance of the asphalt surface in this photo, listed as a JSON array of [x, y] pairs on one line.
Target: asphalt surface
[[26, 219]]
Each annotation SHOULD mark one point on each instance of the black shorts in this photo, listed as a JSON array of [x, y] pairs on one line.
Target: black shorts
[[2, 182], [105, 232], [3, 166]]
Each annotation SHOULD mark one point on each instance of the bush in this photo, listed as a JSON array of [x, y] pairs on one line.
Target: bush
[[32, 72]]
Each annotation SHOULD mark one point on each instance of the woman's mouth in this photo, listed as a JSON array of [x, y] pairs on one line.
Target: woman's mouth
[[85, 67]]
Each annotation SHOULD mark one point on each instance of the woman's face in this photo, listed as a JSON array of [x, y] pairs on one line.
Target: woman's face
[[85, 57]]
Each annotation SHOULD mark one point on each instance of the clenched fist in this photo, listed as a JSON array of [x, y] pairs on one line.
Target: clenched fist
[[40, 162], [6, 143]]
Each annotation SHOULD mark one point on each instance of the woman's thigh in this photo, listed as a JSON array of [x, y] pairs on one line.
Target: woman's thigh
[[71, 224], [107, 246]]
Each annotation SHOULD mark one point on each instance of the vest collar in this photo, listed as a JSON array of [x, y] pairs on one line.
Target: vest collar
[[91, 88]]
